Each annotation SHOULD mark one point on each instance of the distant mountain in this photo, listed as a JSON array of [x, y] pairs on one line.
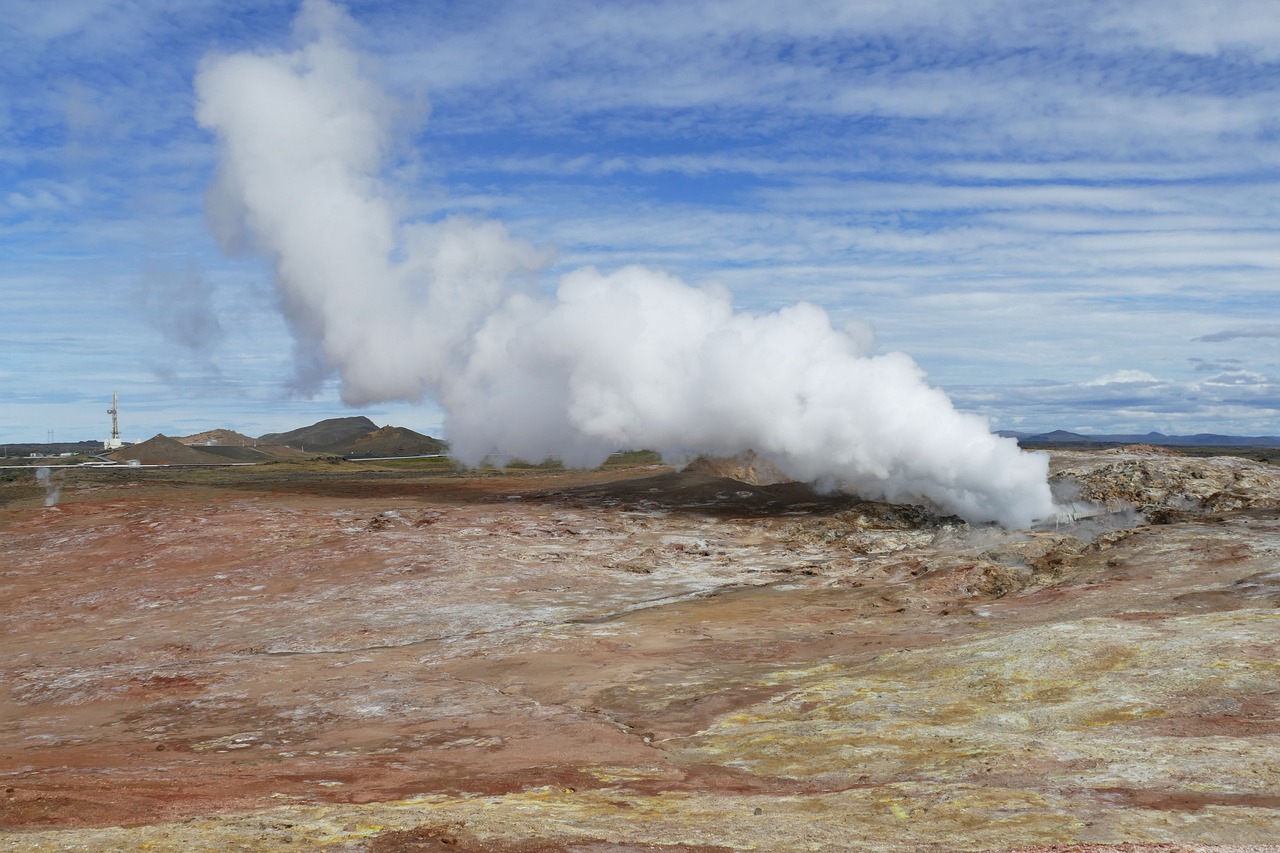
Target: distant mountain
[[389, 441], [1204, 439], [324, 436], [1058, 436]]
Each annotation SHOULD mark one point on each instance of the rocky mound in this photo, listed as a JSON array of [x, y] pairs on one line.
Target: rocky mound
[[745, 467], [1142, 450], [1154, 480]]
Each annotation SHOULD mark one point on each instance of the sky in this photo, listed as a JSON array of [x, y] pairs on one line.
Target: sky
[[1064, 213]]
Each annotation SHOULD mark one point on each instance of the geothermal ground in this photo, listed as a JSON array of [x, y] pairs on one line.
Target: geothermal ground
[[353, 658]]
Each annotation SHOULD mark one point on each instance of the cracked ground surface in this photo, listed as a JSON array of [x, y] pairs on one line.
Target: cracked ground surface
[[361, 659]]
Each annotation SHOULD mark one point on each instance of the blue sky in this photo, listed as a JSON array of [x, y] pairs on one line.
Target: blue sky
[[1066, 213]]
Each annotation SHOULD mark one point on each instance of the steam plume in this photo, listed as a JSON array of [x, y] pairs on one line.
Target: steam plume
[[52, 491], [633, 358]]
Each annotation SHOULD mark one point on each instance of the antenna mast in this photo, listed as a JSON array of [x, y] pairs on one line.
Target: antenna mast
[[114, 443]]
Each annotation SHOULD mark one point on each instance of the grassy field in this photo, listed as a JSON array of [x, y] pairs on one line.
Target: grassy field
[[285, 475]]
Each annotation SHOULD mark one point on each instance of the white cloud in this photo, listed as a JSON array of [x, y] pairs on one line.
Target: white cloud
[[1200, 27], [1242, 402], [44, 196], [1126, 378], [1265, 331]]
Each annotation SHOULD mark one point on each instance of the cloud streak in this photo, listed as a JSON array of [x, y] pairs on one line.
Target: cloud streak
[[1270, 331]]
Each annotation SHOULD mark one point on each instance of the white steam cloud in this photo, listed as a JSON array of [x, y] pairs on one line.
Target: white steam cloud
[[635, 358]]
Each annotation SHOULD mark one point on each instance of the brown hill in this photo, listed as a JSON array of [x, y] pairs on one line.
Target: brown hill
[[261, 453], [390, 441], [163, 450], [216, 438]]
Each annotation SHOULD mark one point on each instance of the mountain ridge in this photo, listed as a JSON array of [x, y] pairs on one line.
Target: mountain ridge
[[1203, 439]]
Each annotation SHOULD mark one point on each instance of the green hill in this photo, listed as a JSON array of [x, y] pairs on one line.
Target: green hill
[[390, 441], [324, 436]]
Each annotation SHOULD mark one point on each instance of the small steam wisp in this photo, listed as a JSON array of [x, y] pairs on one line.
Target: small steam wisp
[[628, 359], [52, 491]]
